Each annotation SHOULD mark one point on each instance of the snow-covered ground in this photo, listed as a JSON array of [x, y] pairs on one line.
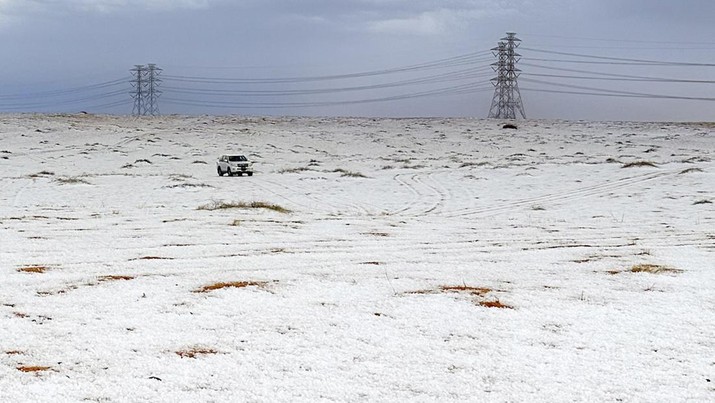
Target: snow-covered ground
[[421, 260]]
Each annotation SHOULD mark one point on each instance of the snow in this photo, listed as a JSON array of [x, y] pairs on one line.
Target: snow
[[350, 302]]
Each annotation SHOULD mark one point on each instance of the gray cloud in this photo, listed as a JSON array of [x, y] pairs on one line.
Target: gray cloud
[[69, 42], [689, 11], [29, 6]]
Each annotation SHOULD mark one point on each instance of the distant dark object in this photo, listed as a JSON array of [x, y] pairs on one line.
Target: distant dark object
[[509, 126], [83, 113], [639, 164]]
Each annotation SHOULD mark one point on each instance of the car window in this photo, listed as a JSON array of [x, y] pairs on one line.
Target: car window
[[234, 158]]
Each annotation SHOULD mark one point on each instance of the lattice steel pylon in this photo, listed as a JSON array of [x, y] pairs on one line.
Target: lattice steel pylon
[[507, 99], [145, 90], [152, 94], [138, 84]]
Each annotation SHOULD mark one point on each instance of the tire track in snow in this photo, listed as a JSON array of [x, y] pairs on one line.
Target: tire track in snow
[[468, 241], [445, 194], [435, 202], [262, 185], [342, 205], [20, 191], [410, 204], [337, 253], [588, 191], [413, 208]]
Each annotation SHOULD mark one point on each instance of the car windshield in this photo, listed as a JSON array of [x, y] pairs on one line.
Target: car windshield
[[234, 158]]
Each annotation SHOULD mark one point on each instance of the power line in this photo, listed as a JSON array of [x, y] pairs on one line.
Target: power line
[[621, 40], [454, 90], [55, 93], [598, 73], [467, 59], [653, 96], [64, 102], [609, 92], [646, 79], [622, 59], [471, 73], [221, 92]]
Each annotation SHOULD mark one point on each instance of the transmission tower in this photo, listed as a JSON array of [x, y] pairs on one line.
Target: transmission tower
[[152, 104], [138, 84], [145, 89], [507, 99]]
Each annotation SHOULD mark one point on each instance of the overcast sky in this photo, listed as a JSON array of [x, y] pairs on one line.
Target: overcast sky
[[49, 45]]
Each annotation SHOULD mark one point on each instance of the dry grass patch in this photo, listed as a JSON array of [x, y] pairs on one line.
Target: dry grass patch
[[639, 164], [350, 174], [14, 352], [646, 268], [231, 284], [478, 292], [473, 164], [72, 180], [195, 351], [41, 173], [294, 170], [653, 268], [115, 277], [494, 304], [47, 293], [689, 170], [34, 368], [33, 269], [221, 205], [153, 258], [421, 292], [188, 185], [481, 291]]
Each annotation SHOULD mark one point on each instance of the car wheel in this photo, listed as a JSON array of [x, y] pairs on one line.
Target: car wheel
[[250, 174], [240, 174], [228, 171], [220, 172]]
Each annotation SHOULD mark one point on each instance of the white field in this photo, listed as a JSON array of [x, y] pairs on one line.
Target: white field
[[350, 302]]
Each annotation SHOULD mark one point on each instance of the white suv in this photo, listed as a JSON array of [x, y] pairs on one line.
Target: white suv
[[234, 165]]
